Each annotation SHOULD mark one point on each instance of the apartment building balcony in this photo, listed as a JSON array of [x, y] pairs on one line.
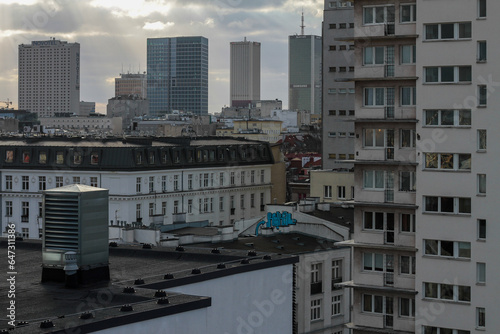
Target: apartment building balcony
[[379, 247], [383, 196], [385, 156], [389, 114], [387, 72]]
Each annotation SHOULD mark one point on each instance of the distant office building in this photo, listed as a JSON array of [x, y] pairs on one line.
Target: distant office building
[[177, 76], [245, 73], [304, 74], [49, 77], [127, 107], [86, 108], [131, 84]]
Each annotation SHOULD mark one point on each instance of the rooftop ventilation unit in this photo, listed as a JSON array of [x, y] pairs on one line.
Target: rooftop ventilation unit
[[75, 229]]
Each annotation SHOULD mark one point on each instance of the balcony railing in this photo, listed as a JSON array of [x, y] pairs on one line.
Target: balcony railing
[[316, 288], [388, 321], [388, 279], [390, 29], [389, 237]]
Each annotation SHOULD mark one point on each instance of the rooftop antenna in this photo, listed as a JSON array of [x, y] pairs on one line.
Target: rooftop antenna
[[302, 26]]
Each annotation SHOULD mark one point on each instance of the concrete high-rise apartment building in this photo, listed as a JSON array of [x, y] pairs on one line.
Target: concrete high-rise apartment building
[[304, 72], [424, 249], [338, 86], [131, 84], [49, 77], [244, 73], [177, 74]]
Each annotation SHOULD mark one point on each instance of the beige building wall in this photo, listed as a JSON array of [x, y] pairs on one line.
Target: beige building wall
[[278, 176], [332, 186]]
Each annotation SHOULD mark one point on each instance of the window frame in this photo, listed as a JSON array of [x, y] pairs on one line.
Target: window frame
[[442, 159], [482, 55], [439, 290], [456, 249], [456, 31], [374, 15], [412, 96], [439, 78], [413, 54], [374, 184], [458, 115], [413, 13], [374, 57]]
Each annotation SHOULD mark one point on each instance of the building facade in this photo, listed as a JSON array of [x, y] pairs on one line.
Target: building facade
[[131, 84], [244, 82], [338, 86], [177, 75], [304, 73], [49, 77], [86, 108], [89, 124], [214, 180]]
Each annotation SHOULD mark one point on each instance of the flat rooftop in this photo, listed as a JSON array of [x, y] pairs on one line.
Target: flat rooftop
[[36, 301]]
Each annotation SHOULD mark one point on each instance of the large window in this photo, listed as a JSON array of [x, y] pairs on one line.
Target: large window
[[481, 8], [440, 330], [448, 161], [445, 248], [25, 214], [315, 309], [377, 304], [407, 138], [378, 14], [458, 293], [337, 305], [8, 182], [42, 183], [138, 185], [407, 222], [374, 55], [374, 262], [408, 13], [374, 137], [375, 96], [25, 182], [8, 208], [481, 229], [452, 205], [407, 265], [448, 117], [377, 220], [408, 96], [408, 54], [373, 179], [440, 31], [447, 74], [482, 92], [407, 307], [407, 181]]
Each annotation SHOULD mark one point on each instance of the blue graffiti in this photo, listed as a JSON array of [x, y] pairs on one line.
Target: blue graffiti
[[277, 220]]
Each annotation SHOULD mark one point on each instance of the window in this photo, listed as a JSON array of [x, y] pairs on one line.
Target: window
[[408, 54], [176, 182], [243, 177], [407, 307], [407, 138], [439, 330], [447, 74], [232, 178], [138, 211], [337, 270], [8, 208], [211, 179], [481, 229], [332, 91], [337, 305], [262, 176], [151, 184], [221, 179], [25, 182], [77, 158], [375, 96], [42, 183], [442, 31], [25, 232], [332, 156], [76, 179], [480, 317], [42, 157], [316, 272], [315, 309], [93, 181], [481, 140], [407, 265], [341, 192], [164, 208], [9, 156], [447, 161], [407, 222], [333, 47], [481, 51], [374, 137], [242, 201], [231, 200], [373, 179], [327, 191], [25, 213], [221, 204], [190, 206], [252, 200], [138, 184], [331, 113], [408, 13], [453, 205], [252, 177], [373, 262], [444, 291], [378, 14], [481, 184], [26, 157], [482, 95], [151, 209], [481, 8], [481, 272], [176, 206], [8, 182], [59, 181], [94, 158], [332, 69], [342, 112], [448, 117], [190, 181], [332, 26], [453, 249], [408, 96], [375, 304], [407, 181], [374, 55]]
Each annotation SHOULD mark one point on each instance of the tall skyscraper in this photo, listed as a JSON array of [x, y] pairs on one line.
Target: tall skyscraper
[[338, 86], [177, 72], [131, 84], [245, 73], [304, 72], [49, 77]]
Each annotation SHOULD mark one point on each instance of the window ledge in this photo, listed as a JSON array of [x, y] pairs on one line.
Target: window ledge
[[481, 329], [480, 18], [481, 195], [481, 61], [481, 106], [438, 257], [445, 301], [481, 283], [481, 240], [447, 214], [481, 151]]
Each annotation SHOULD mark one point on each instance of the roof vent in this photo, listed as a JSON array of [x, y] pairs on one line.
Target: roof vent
[[168, 276], [245, 261], [146, 246], [215, 251], [160, 293], [195, 271], [162, 301], [139, 281], [86, 315], [252, 253], [113, 244], [46, 324], [128, 289], [126, 308], [179, 249], [221, 266], [267, 257]]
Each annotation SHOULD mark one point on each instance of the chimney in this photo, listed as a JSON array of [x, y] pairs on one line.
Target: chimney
[[75, 235]]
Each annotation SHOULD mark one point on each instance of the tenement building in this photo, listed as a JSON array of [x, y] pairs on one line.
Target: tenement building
[[150, 180], [425, 100]]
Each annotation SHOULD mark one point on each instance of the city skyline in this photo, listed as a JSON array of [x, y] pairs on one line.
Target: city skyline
[[113, 37]]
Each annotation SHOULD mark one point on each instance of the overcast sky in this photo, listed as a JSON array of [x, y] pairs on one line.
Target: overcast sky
[[113, 33]]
